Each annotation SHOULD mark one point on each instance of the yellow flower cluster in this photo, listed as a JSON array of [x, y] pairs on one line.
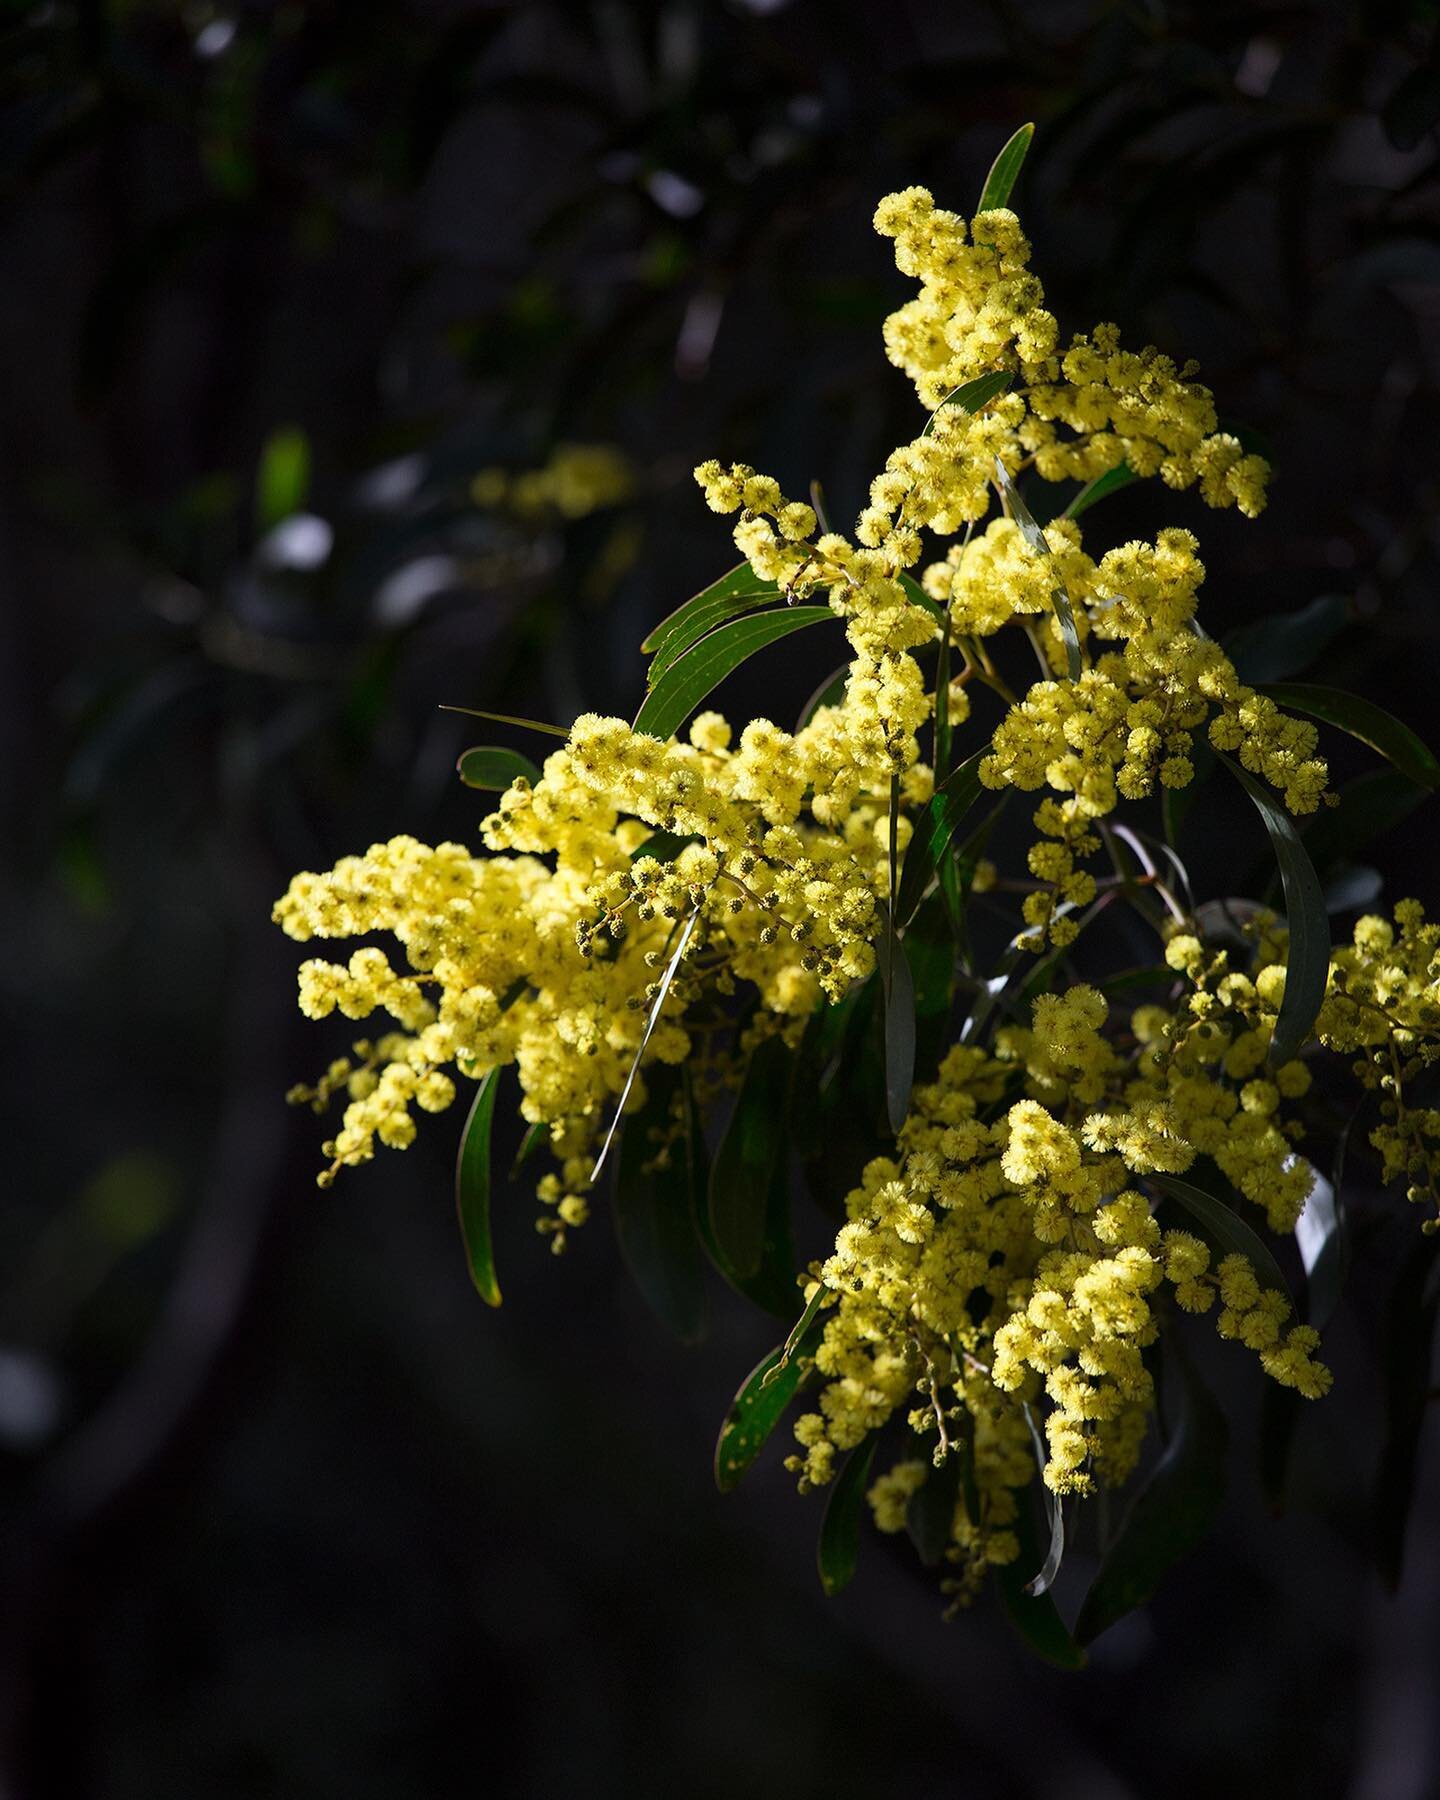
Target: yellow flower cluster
[[575, 481]]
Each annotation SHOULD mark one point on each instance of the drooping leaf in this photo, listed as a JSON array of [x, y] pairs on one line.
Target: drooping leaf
[[1371, 724], [1407, 1350], [1172, 1512], [1044, 1578], [655, 1209], [1035, 1616], [476, 712], [705, 665], [1284, 645], [750, 1154], [1121, 476], [839, 1548], [740, 585], [472, 1190], [1003, 171], [1307, 963], [899, 988], [800, 1332], [1035, 541], [492, 767], [972, 395], [282, 480], [934, 831], [1224, 1228], [930, 1511], [759, 1406]]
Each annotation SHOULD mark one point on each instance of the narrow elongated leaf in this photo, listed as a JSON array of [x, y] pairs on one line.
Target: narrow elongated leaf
[[1003, 171], [1044, 1578], [801, 1331], [1224, 1227], [476, 712], [1171, 1514], [1286, 644], [750, 1154], [661, 990], [1321, 1240], [705, 665], [472, 1190], [970, 396], [655, 1211], [930, 1511], [1381, 730], [704, 620], [759, 1407], [899, 987], [839, 1549], [1307, 963], [664, 846], [917, 596], [1111, 482], [490, 767], [1035, 1616], [934, 831], [740, 585], [1035, 541]]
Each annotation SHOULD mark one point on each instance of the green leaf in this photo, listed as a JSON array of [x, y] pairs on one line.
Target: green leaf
[[1371, 805], [800, 1332], [1307, 963], [759, 1407], [1381, 730], [1407, 1349], [839, 1549], [472, 1190], [475, 712], [1121, 476], [1035, 541], [489, 767], [706, 616], [1035, 1616], [1285, 644], [740, 585], [899, 988], [1224, 1228], [934, 831], [749, 1159], [664, 846], [971, 395], [705, 665], [1004, 169], [917, 596], [529, 1144], [282, 480], [655, 1210], [930, 1510], [1171, 1514]]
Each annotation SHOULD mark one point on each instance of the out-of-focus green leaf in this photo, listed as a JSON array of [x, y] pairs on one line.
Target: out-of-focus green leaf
[[1035, 541], [1121, 476], [1224, 1228], [1381, 730], [472, 1190], [750, 1154], [760, 1405], [839, 1549], [282, 480], [705, 665], [1307, 963], [930, 1511], [740, 588], [655, 1209], [1171, 1514], [1284, 645], [1004, 170], [491, 767], [934, 831], [1407, 1347]]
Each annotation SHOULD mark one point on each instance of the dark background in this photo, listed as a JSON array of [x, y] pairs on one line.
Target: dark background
[[286, 1511]]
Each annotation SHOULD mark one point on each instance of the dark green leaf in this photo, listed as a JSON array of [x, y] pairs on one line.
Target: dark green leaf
[[740, 584], [488, 767], [1381, 730], [1286, 644], [475, 712], [801, 1331], [1371, 805], [282, 480], [1121, 476], [1171, 1514], [1004, 169], [930, 1511], [759, 1406], [1223, 1228], [1035, 541], [917, 596], [705, 665], [472, 1190], [1307, 962], [934, 830], [664, 846], [972, 395], [531, 1142], [655, 1208], [839, 1549], [751, 1154], [1407, 1350], [899, 987]]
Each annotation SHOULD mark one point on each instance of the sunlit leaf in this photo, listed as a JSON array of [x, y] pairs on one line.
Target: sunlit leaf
[[1322, 1241], [1307, 962], [1224, 1227], [472, 1190], [1381, 730], [972, 395], [1172, 1512], [839, 1549], [1121, 476], [740, 586], [655, 1210], [705, 665], [490, 767], [475, 712], [750, 1154], [1035, 541], [1003, 171]]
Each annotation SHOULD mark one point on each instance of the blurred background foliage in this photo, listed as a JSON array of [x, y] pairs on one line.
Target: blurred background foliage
[[355, 360]]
